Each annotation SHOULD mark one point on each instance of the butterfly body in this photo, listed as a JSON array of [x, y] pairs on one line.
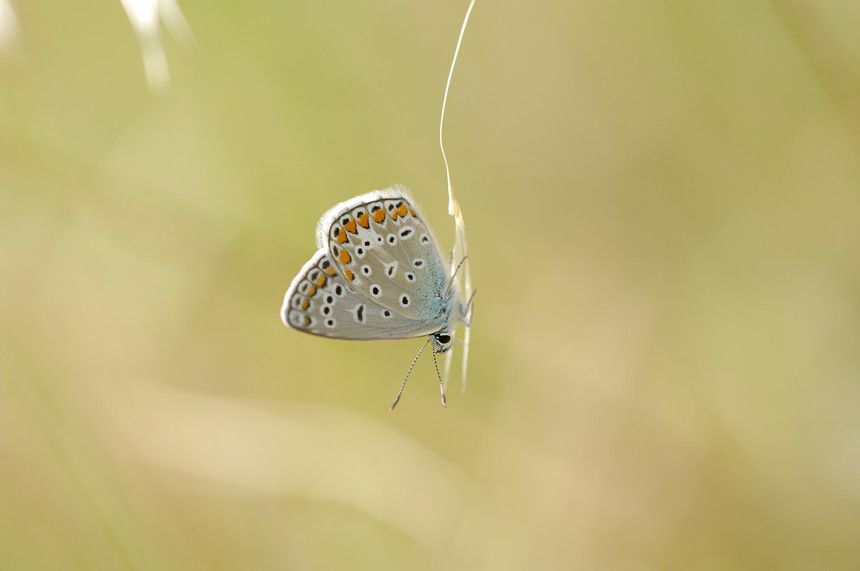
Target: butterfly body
[[378, 274]]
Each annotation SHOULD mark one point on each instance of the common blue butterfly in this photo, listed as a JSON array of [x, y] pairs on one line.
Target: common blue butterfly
[[378, 273]]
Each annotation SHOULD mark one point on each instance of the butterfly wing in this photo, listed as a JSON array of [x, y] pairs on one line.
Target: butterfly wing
[[320, 302], [387, 253]]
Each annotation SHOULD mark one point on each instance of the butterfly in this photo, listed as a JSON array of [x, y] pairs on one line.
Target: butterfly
[[378, 273]]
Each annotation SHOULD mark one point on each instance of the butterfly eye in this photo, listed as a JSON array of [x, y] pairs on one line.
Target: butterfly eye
[[444, 339]]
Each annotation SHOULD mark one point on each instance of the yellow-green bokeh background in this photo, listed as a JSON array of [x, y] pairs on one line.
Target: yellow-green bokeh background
[[662, 201]]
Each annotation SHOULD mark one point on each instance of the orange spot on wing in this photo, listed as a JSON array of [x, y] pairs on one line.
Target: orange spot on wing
[[340, 235], [330, 271], [349, 275], [307, 320], [402, 210], [412, 212], [394, 214], [312, 291], [305, 303], [364, 220], [344, 257], [350, 226], [379, 215], [321, 280]]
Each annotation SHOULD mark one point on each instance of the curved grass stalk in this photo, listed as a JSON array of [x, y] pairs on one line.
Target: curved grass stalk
[[464, 279]]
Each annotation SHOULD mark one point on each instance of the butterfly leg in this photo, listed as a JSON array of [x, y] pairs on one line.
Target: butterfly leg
[[456, 271], [468, 310], [441, 384], [408, 373]]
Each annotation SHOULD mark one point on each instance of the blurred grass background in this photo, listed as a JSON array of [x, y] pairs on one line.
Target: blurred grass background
[[662, 201]]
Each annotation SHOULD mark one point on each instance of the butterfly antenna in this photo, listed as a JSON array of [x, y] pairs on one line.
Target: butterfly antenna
[[441, 385], [409, 372]]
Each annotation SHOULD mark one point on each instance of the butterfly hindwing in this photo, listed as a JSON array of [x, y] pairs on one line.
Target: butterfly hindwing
[[385, 252]]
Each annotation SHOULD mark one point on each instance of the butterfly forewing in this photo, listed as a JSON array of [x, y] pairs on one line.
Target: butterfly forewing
[[386, 253], [320, 302]]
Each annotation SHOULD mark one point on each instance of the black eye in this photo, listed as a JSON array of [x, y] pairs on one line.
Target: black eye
[[444, 339]]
